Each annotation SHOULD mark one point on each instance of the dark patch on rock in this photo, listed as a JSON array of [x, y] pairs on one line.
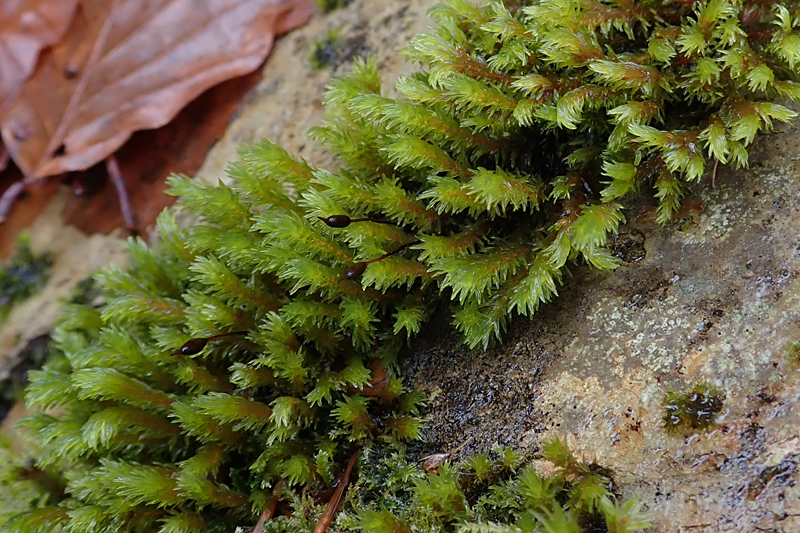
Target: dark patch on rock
[[628, 246]]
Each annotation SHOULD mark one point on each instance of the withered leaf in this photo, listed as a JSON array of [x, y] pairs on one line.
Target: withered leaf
[[149, 156], [27, 26], [127, 65]]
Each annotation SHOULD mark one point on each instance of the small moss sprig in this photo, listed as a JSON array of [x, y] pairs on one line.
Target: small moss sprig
[[331, 5], [325, 50], [692, 411], [792, 353], [21, 277]]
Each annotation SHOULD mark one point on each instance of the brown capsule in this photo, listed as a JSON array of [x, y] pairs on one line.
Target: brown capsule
[[355, 270], [431, 463], [192, 346], [336, 221]]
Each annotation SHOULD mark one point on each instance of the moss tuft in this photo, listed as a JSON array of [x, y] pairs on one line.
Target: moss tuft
[[326, 51], [499, 491], [792, 353], [258, 347], [25, 274], [693, 411], [330, 5]]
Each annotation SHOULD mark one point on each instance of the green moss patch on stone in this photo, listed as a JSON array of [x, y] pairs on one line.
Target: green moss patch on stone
[[693, 411], [25, 274]]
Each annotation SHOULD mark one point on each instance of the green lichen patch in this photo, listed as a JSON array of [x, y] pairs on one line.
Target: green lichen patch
[[25, 274], [693, 411]]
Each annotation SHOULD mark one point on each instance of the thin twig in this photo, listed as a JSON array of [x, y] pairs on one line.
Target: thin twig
[[10, 196], [327, 516], [269, 510], [393, 252], [714, 175], [124, 202]]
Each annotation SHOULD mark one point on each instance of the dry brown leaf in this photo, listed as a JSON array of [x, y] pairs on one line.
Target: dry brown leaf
[[27, 26], [127, 65], [149, 156]]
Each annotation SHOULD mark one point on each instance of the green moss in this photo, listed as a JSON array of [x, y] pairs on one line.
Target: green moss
[[336, 49], [792, 353], [260, 344], [21, 488], [86, 292], [326, 51], [498, 491], [39, 351], [25, 274], [330, 5], [31, 357], [693, 411]]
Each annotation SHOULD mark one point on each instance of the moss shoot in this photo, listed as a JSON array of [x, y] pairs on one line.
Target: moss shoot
[[693, 411], [792, 353], [326, 51], [21, 277], [330, 5]]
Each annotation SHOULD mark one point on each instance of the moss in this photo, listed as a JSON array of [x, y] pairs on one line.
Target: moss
[[86, 292], [330, 5], [326, 51], [336, 49], [693, 411], [255, 349], [32, 357], [499, 491], [39, 351], [20, 491], [792, 353], [25, 274]]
